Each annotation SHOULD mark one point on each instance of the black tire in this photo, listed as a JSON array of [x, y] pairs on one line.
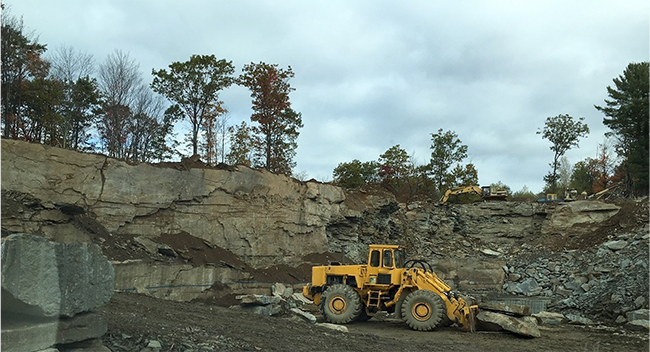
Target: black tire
[[423, 310], [340, 304], [363, 315]]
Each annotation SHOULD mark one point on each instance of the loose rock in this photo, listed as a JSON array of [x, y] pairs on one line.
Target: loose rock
[[513, 324]]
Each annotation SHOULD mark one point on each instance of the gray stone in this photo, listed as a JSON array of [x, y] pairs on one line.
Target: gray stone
[[638, 325], [576, 319], [639, 301], [279, 289], [92, 345], [550, 318], [167, 250], [147, 244], [331, 326], [154, 344], [616, 298], [529, 287], [639, 314], [516, 309], [259, 300], [491, 252], [615, 245], [24, 333], [625, 263], [620, 319], [54, 279], [513, 324], [304, 315], [560, 290]]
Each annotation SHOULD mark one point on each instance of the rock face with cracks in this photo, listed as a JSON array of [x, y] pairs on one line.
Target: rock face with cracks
[[584, 258], [257, 215]]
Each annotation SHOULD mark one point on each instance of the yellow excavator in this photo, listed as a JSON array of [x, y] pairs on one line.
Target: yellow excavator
[[390, 283], [471, 194]]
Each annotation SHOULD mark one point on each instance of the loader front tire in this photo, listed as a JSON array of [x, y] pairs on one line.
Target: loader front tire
[[340, 304], [423, 310]]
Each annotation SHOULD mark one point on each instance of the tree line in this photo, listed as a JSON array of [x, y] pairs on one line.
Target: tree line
[[63, 100], [400, 173], [622, 158]]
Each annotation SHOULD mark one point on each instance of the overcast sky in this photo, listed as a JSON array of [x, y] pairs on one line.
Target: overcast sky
[[373, 74]]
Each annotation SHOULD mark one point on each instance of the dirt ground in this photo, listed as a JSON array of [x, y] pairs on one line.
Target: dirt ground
[[134, 320]]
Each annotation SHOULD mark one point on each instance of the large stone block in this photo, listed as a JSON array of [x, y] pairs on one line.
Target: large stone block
[[29, 334], [521, 326], [54, 279]]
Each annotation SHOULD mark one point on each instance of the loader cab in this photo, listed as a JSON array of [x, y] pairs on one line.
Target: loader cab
[[387, 257], [382, 262]]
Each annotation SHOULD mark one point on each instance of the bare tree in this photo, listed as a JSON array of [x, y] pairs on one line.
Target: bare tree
[[145, 124], [69, 65], [119, 81], [80, 95]]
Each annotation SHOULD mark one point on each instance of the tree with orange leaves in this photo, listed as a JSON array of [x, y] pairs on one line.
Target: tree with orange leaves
[[274, 137]]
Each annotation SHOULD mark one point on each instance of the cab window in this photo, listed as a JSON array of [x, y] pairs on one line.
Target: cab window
[[400, 258], [374, 258], [388, 258]]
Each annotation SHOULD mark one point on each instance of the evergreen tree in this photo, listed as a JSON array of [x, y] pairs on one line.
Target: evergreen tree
[[627, 115]]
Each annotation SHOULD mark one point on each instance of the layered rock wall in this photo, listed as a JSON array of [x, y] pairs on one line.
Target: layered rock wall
[[545, 251], [262, 217]]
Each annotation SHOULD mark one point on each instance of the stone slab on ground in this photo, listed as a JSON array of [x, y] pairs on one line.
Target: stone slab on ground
[[516, 309], [331, 326], [639, 314], [24, 333], [550, 318], [576, 319], [517, 325], [260, 300], [304, 315], [638, 325], [55, 279]]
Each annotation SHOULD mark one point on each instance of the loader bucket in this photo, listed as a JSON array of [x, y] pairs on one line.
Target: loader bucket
[[471, 322], [470, 318]]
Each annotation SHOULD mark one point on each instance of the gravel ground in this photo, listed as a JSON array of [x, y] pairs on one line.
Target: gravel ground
[[137, 321]]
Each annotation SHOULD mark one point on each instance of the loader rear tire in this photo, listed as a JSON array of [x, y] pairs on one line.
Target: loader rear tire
[[340, 304], [423, 310]]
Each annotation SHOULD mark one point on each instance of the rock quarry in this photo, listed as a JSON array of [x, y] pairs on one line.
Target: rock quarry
[[185, 231]]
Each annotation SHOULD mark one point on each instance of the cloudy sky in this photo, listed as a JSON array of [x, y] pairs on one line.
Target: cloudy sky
[[373, 74]]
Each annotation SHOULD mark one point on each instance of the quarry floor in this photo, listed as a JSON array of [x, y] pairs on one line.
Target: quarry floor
[[135, 320]]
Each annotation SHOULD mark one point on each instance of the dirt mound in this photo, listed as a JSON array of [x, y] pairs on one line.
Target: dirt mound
[[633, 215]]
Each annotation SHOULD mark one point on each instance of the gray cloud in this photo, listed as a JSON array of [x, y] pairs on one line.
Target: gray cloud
[[370, 75]]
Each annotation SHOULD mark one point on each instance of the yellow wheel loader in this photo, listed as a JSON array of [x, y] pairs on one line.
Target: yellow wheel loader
[[410, 289]]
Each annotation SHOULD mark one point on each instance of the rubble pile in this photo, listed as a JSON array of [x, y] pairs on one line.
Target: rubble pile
[[599, 285]]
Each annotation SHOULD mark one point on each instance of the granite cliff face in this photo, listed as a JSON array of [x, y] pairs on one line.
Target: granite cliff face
[[262, 217], [193, 226]]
